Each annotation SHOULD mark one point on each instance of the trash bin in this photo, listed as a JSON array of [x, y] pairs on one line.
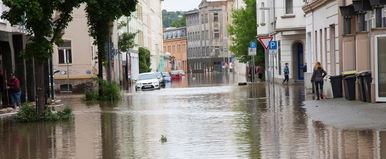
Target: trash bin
[[336, 84], [349, 83], [365, 85]]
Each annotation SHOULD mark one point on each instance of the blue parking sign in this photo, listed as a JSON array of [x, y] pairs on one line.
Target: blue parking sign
[[272, 45], [252, 44]]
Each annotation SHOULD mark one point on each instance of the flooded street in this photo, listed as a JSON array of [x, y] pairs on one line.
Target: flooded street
[[202, 116]]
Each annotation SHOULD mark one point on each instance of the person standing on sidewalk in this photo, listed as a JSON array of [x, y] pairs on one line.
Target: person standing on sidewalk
[[13, 85], [286, 73], [317, 78]]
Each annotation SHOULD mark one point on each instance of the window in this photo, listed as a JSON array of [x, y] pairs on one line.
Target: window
[[262, 13], [64, 51], [289, 7], [361, 22], [216, 34], [347, 25], [217, 50], [215, 17]]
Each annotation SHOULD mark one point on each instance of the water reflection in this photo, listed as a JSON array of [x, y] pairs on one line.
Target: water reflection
[[223, 121]]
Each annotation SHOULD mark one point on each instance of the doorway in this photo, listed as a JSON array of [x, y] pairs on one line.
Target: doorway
[[298, 61]]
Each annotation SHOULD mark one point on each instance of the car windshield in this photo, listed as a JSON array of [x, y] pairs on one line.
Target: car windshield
[[180, 71], [174, 72], [147, 76], [165, 74]]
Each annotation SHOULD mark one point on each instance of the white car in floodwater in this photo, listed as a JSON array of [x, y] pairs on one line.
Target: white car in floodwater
[[147, 81]]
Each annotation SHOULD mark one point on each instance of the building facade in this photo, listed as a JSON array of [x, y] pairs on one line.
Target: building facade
[[75, 59], [13, 40], [322, 38], [146, 21], [175, 47], [284, 21], [363, 42], [208, 36]]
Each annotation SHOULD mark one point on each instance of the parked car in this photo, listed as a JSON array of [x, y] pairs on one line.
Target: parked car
[[147, 81], [175, 75], [161, 79], [166, 76], [181, 72]]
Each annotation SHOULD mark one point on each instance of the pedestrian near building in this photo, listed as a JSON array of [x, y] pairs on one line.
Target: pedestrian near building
[[260, 72], [317, 78], [286, 74], [13, 86]]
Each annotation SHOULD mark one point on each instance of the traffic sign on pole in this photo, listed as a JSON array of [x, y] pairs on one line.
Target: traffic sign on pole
[[251, 51], [252, 45], [265, 41], [272, 45]]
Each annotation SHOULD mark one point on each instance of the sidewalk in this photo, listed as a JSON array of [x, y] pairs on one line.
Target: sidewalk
[[345, 114]]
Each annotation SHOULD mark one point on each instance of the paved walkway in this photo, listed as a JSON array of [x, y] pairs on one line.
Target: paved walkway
[[345, 114]]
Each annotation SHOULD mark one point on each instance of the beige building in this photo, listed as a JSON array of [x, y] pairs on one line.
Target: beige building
[[363, 42], [76, 57], [175, 47]]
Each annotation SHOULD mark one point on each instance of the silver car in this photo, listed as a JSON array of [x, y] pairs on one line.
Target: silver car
[[147, 81]]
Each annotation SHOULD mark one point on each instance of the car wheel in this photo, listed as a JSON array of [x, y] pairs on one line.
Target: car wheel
[[136, 89]]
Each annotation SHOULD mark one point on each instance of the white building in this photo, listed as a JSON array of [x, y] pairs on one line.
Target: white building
[[322, 36], [283, 20], [146, 21]]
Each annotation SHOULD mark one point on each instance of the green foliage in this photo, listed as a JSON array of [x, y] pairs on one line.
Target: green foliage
[[169, 17], [243, 31], [163, 139], [144, 60], [27, 113], [101, 14], [126, 41], [180, 22], [111, 92], [90, 95]]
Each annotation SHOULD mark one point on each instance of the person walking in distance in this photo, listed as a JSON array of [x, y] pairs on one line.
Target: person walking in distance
[[13, 86], [317, 77], [286, 74]]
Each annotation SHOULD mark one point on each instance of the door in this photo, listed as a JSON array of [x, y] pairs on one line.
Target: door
[[300, 61], [380, 68]]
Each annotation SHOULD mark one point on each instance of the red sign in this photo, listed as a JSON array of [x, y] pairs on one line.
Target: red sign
[[265, 41]]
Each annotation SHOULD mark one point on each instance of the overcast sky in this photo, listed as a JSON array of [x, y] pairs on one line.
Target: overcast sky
[[180, 5]]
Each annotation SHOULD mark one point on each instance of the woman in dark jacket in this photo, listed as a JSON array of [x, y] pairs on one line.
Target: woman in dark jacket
[[317, 79]]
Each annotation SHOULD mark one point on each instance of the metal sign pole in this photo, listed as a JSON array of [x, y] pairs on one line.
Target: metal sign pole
[[253, 69]]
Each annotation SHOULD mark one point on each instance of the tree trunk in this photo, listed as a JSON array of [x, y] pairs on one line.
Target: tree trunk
[[101, 55], [40, 87]]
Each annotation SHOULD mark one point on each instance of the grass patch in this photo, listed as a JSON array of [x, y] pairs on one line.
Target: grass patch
[[110, 92], [27, 113]]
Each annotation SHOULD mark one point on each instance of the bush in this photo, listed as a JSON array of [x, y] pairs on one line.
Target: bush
[[110, 92], [90, 95], [28, 113]]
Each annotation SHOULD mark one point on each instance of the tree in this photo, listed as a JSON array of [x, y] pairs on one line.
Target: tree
[[126, 41], [243, 31], [180, 22], [101, 14], [144, 60], [169, 17], [45, 21]]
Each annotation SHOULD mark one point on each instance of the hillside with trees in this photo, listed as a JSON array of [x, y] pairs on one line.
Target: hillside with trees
[[173, 19]]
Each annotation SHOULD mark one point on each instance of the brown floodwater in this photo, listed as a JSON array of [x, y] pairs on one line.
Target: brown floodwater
[[202, 116]]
